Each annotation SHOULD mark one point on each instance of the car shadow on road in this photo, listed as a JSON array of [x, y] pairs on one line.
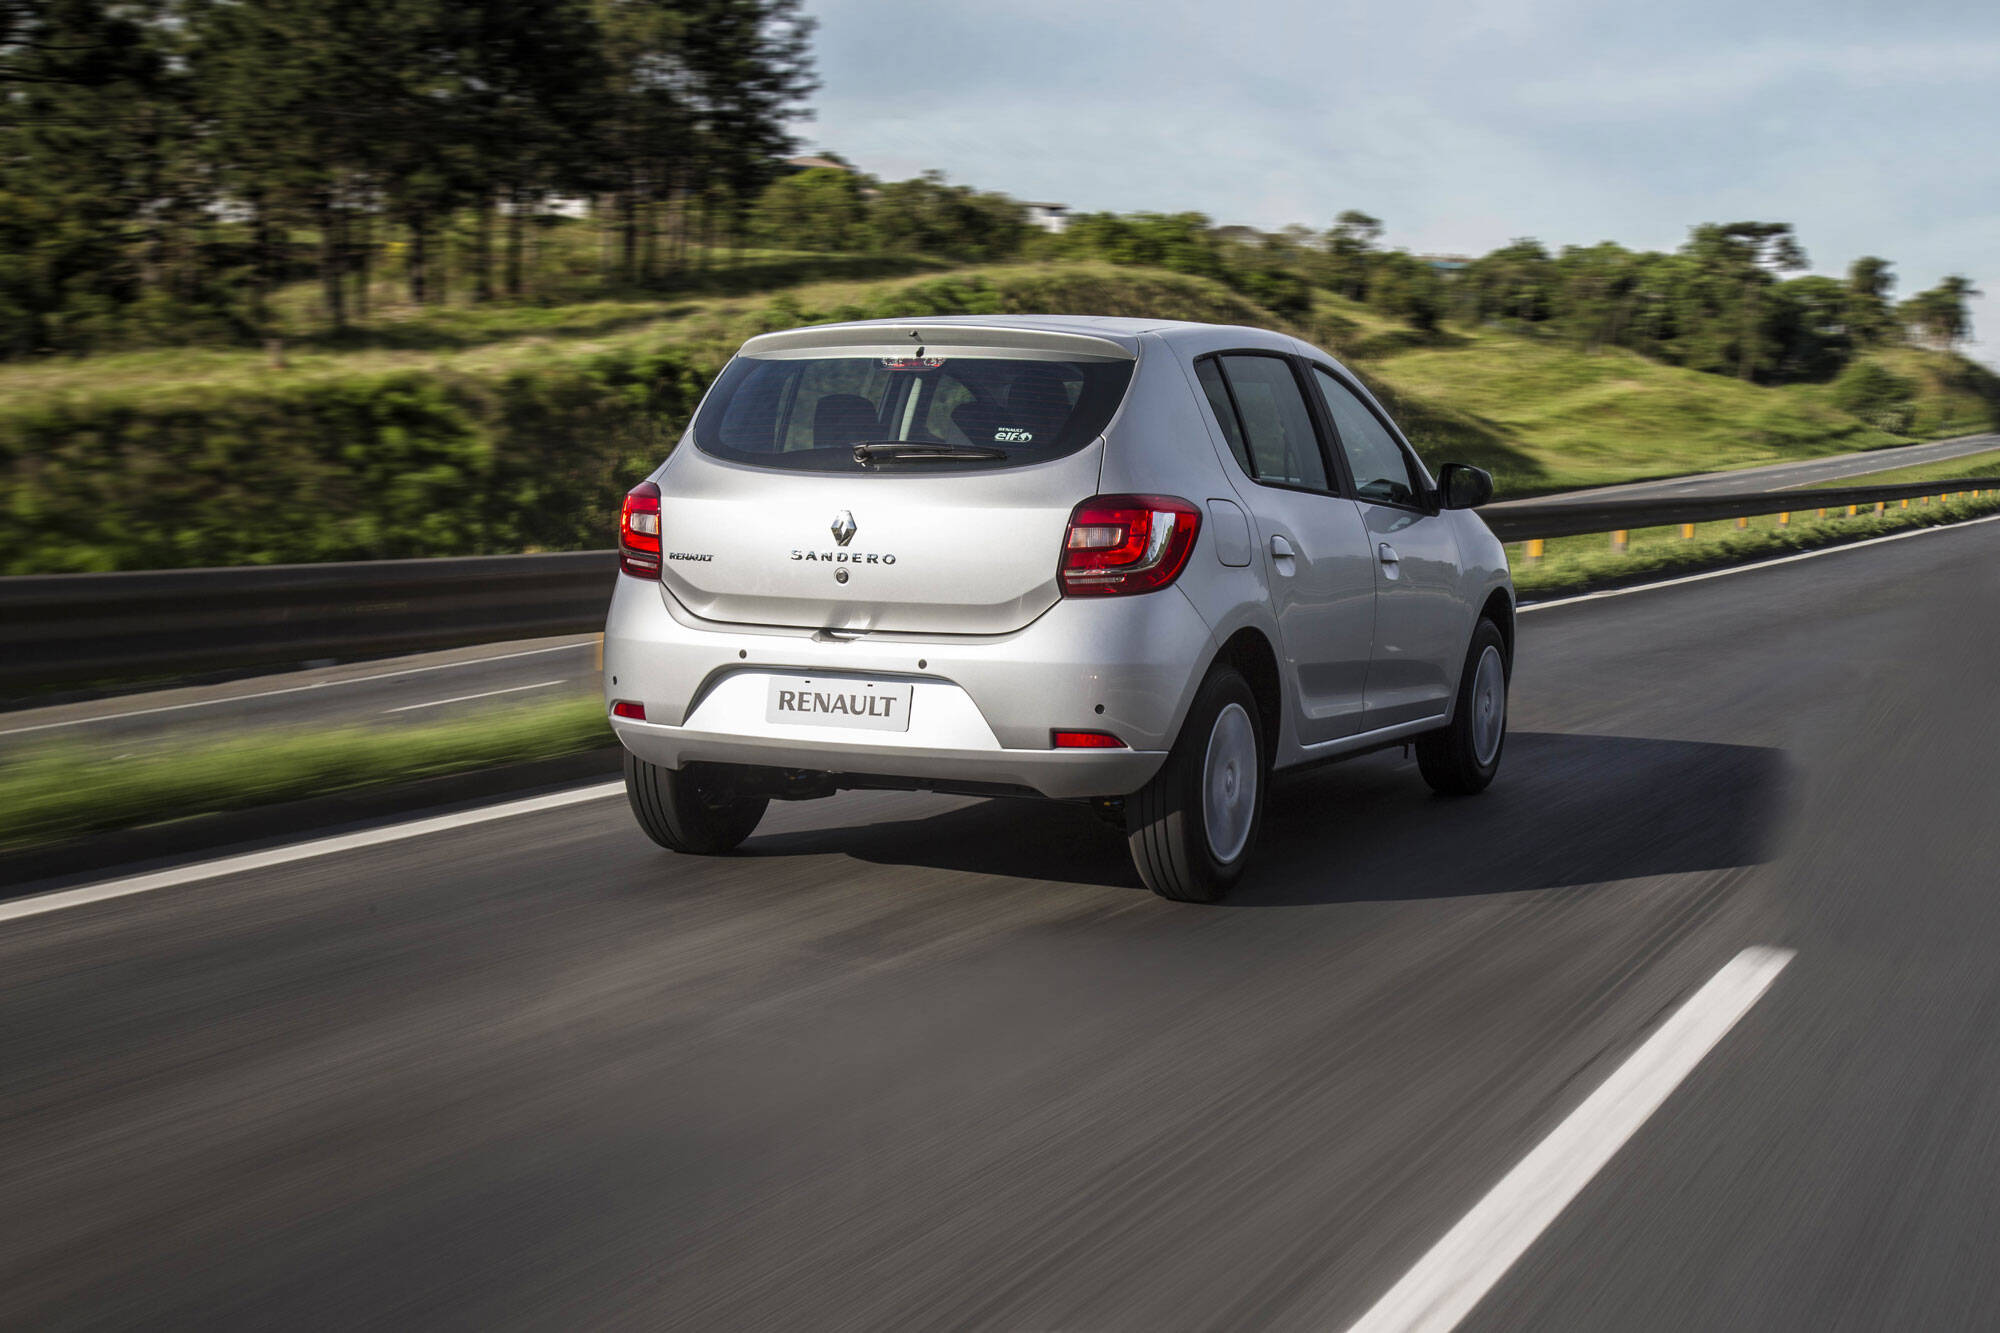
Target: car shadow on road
[[1566, 810]]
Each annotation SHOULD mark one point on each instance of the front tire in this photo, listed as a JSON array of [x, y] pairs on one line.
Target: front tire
[[688, 809], [1462, 759], [1192, 829]]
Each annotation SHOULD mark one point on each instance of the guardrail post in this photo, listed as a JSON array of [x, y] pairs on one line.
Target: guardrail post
[[1619, 539], [1852, 510], [1881, 506], [1742, 522], [1785, 519], [1822, 513], [1535, 547]]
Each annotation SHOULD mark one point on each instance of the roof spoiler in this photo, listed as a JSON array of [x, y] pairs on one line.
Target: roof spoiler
[[892, 338]]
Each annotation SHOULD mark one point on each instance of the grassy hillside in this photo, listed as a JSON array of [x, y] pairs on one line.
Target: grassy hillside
[[479, 429]]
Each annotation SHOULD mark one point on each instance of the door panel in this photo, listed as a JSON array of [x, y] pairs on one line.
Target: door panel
[[1323, 592], [1421, 626], [1312, 542]]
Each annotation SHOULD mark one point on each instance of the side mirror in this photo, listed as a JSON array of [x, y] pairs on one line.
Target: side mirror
[[1461, 486]]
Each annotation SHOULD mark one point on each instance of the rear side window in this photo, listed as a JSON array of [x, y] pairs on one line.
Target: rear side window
[[1382, 471], [1273, 423], [807, 413], [1210, 375]]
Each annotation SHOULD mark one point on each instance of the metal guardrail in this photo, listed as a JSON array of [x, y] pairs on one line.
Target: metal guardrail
[[1570, 518], [80, 628], [75, 629]]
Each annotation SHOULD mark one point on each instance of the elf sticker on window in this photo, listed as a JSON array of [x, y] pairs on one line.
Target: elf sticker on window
[[1013, 435]]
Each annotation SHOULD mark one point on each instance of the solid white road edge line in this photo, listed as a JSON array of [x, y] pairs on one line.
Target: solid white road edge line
[[301, 689], [1463, 1266], [303, 851], [466, 698], [1526, 607]]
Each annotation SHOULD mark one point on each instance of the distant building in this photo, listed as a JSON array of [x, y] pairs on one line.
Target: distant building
[[1049, 217], [816, 161], [1236, 234]]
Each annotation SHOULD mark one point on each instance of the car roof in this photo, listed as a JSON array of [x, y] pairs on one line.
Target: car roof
[[1121, 330]]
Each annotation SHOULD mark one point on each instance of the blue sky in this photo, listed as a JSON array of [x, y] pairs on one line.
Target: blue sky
[[1871, 127]]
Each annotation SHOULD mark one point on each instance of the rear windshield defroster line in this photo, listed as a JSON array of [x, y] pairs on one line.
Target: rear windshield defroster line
[[807, 414]]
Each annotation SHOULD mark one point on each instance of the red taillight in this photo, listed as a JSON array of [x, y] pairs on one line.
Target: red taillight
[[1086, 740], [639, 532], [626, 708], [1127, 543]]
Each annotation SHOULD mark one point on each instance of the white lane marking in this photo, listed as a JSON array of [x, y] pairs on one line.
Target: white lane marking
[[1761, 564], [303, 851], [463, 698], [1462, 1267], [300, 689]]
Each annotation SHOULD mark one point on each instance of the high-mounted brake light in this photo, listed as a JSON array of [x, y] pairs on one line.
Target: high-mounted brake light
[[639, 532], [1120, 544]]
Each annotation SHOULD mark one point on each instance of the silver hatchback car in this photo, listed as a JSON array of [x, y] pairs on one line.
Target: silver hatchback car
[[1129, 562]]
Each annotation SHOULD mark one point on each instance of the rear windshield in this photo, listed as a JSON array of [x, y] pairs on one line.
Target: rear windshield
[[808, 414]]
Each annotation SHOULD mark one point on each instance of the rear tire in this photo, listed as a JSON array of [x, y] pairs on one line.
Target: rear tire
[[1462, 759], [1192, 829], [687, 810]]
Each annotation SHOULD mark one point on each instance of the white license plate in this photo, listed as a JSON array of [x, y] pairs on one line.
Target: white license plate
[[865, 705]]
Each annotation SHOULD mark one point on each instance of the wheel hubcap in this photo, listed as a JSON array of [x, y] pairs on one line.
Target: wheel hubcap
[[1489, 706], [1229, 783]]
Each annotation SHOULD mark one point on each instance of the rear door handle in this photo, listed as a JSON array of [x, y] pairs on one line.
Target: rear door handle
[[1281, 548], [1388, 554]]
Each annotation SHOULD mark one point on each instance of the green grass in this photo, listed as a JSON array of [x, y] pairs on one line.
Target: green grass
[[1579, 418], [55, 792], [1952, 469], [1584, 563]]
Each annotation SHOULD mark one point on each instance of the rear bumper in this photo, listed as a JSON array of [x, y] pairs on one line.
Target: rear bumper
[[983, 707]]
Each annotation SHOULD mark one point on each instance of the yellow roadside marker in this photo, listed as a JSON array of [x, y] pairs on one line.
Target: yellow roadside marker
[[1535, 548], [1687, 532], [1785, 518], [1619, 537]]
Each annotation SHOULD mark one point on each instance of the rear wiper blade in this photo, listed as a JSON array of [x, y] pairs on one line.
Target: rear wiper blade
[[910, 451]]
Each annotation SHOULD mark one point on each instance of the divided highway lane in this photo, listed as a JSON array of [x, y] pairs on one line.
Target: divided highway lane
[[1780, 476], [930, 1062], [416, 688]]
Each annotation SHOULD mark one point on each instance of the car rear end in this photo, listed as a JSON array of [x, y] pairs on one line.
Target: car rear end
[[880, 557]]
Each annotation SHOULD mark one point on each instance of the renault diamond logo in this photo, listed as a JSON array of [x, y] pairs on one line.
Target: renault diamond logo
[[843, 527]]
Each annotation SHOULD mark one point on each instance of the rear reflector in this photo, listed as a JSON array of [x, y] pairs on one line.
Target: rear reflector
[[639, 532], [626, 708], [1087, 740]]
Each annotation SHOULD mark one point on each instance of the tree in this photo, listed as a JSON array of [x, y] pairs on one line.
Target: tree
[[98, 196], [1869, 282], [1734, 265], [1350, 248], [1942, 316], [817, 209]]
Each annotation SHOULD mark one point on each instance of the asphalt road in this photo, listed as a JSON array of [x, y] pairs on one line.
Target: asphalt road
[[927, 1062], [423, 687], [1782, 476]]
